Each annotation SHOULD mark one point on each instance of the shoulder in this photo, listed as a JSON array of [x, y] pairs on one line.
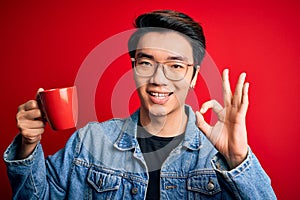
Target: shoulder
[[109, 129]]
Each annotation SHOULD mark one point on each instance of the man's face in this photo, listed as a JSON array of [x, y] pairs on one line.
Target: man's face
[[160, 96]]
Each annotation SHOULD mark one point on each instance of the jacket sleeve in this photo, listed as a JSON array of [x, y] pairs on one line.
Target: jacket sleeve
[[246, 181], [36, 177]]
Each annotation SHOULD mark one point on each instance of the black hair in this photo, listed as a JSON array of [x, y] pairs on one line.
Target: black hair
[[168, 20]]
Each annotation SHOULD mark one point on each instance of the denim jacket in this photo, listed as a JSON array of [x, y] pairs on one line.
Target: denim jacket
[[104, 161]]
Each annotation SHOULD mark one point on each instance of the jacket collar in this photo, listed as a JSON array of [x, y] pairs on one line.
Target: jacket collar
[[127, 138]]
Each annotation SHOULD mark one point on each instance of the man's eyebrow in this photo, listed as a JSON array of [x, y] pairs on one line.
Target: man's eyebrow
[[144, 55], [181, 58]]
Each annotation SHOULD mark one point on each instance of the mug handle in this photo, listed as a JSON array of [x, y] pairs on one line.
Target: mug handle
[[41, 107]]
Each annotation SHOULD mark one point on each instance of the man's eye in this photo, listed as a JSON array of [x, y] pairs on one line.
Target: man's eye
[[177, 66], [145, 63]]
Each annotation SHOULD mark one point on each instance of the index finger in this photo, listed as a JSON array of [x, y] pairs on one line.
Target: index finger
[[30, 105]]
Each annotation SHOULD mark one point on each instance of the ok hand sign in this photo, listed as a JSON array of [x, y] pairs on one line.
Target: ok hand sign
[[229, 134]]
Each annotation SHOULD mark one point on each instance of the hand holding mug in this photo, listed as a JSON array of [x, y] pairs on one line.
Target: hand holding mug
[[31, 126], [57, 106]]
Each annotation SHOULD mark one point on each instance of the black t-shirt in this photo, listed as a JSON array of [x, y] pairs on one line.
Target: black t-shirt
[[155, 151]]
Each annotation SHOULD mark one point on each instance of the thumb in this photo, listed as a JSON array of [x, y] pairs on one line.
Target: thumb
[[43, 118], [38, 91], [202, 124]]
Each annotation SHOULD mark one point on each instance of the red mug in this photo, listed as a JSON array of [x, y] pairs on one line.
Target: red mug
[[59, 107]]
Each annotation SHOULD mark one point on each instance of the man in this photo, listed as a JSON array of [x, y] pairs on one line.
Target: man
[[163, 150]]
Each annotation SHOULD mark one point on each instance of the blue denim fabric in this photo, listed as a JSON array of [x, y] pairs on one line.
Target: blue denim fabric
[[104, 161]]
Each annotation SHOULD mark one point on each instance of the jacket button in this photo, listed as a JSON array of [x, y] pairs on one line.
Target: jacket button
[[210, 185], [134, 190]]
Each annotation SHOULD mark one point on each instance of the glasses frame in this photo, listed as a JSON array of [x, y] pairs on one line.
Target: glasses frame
[[163, 64]]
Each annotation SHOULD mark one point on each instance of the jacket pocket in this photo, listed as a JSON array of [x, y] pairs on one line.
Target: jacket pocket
[[203, 184], [105, 182]]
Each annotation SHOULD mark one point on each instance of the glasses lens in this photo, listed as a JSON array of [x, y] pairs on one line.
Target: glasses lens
[[175, 70], [145, 67]]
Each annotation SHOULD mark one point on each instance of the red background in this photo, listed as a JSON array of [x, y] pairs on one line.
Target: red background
[[44, 43]]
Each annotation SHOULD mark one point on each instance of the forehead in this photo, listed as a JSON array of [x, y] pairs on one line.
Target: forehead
[[166, 43]]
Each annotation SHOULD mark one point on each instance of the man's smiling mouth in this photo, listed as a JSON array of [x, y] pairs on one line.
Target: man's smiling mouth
[[160, 95]]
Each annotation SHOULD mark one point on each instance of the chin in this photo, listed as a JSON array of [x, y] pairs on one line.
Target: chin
[[162, 110], [158, 110]]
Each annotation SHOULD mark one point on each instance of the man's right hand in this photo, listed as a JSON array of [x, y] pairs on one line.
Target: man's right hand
[[31, 126]]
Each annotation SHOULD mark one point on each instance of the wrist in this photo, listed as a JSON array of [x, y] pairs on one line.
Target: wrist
[[235, 160], [26, 148]]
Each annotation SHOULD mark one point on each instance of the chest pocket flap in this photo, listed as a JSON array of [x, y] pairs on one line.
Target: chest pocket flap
[[204, 181], [103, 180]]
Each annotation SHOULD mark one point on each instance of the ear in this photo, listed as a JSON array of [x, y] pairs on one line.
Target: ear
[[194, 80]]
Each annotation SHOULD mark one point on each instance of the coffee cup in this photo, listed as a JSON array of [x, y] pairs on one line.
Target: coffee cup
[[60, 107]]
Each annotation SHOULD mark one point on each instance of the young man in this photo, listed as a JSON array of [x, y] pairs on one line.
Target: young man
[[163, 150]]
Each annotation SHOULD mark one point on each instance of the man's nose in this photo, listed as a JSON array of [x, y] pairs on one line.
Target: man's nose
[[159, 77]]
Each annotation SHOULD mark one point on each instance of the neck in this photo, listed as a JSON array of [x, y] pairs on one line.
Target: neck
[[169, 125]]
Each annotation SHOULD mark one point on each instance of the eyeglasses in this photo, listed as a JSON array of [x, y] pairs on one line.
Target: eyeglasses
[[173, 70]]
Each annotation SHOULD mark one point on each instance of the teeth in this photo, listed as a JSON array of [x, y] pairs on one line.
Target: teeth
[[159, 95]]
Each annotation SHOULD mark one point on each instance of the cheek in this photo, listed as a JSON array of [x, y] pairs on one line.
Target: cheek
[[189, 75], [141, 91], [184, 84], [182, 88], [140, 83]]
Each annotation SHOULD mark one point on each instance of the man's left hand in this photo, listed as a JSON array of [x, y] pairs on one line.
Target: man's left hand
[[229, 134]]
